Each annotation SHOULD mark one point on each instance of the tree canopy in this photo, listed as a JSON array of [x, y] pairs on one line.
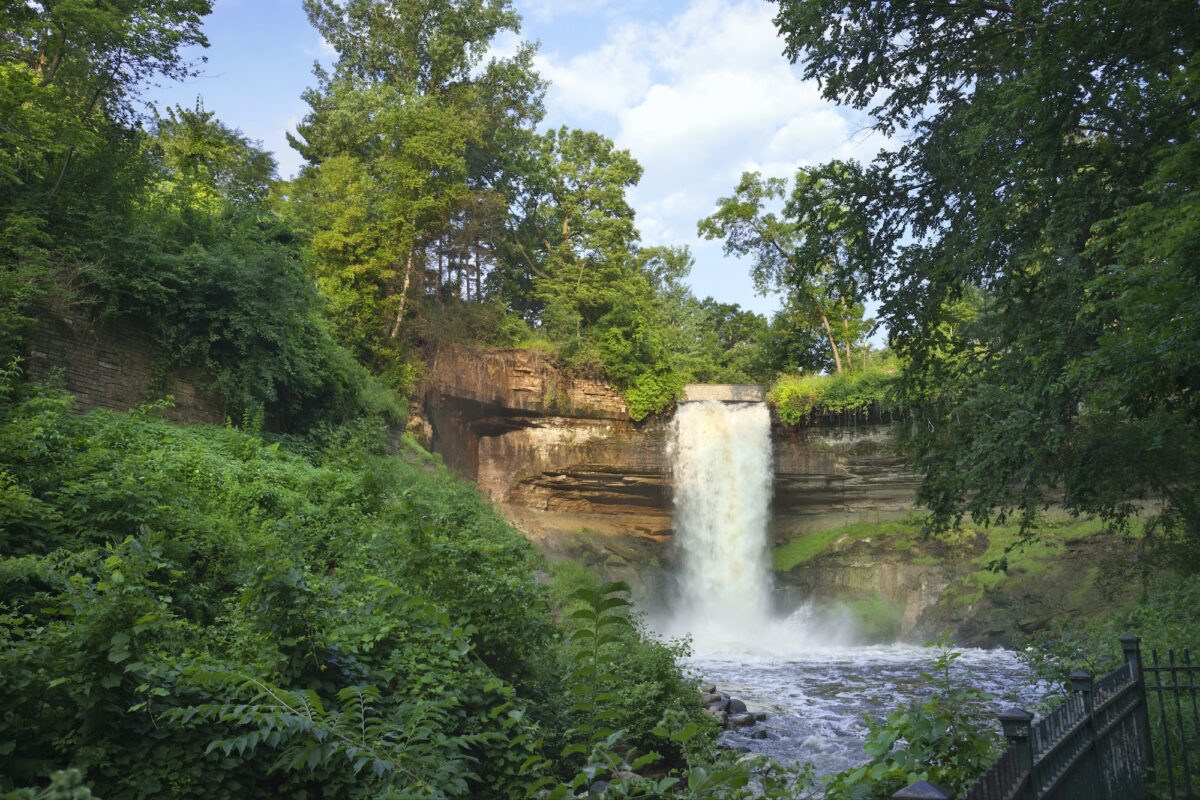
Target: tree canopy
[[1031, 235]]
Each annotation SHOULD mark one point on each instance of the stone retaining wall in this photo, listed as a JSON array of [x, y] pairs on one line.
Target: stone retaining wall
[[112, 365]]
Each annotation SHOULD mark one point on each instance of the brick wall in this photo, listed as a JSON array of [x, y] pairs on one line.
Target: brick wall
[[112, 365]]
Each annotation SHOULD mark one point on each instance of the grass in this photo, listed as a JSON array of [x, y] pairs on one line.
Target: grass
[[808, 546], [1004, 544]]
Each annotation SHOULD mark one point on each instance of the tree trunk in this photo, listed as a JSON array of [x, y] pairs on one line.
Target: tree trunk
[[408, 268], [478, 278], [441, 283], [837, 359], [846, 332]]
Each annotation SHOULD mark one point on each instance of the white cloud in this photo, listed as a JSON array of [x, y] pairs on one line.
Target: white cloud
[[551, 9], [600, 82], [698, 99]]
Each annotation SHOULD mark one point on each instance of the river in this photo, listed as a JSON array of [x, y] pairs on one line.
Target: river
[[800, 668], [815, 701]]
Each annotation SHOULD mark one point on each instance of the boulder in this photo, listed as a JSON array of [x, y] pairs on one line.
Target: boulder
[[760, 716], [708, 698], [720, 704], [736, 706], [758, 733], [741, 720]]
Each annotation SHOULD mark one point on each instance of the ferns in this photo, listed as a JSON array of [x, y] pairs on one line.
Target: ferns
[[402, 748]]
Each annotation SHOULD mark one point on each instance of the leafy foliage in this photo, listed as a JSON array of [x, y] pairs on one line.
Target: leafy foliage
[[1044, 172], [801, 251], [201, 612], [800, 397], [157, 577]]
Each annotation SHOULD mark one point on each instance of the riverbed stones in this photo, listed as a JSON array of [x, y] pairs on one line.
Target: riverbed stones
[[730, 711]]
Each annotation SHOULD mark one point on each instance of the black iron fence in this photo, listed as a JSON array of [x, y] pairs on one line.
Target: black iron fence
[[1133, 734]]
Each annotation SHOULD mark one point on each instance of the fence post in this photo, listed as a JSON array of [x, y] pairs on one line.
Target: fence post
[[1083, 683], [1132, 646], [1016, 723], [923, 790]]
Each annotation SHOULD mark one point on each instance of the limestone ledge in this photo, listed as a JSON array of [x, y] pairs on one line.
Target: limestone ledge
[[542, 442]]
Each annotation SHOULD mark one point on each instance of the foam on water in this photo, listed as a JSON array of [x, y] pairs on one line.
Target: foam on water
[[799, 667], [815, 701], [720, 456]]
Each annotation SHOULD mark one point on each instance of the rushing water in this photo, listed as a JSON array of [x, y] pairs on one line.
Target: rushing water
[[801, 668], [815, 701], [720, 457]]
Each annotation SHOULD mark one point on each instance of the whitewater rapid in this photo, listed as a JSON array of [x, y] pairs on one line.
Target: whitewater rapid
[[800, 666]]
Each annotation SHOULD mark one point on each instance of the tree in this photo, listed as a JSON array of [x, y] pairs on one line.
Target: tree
[[587, 230], [798, 252], [412, 145], [75, 67], [1048, 164], [70, 74]]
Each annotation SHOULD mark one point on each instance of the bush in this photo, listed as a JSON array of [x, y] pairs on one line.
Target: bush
[[798, 397], [203, 613]]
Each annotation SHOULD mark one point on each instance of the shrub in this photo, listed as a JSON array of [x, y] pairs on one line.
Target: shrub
[[798, 397]]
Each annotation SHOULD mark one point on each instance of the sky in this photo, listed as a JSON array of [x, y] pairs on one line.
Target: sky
[[697, 90]]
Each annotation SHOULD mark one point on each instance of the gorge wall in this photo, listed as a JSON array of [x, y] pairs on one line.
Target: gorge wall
[[113, 364], [563, 461]]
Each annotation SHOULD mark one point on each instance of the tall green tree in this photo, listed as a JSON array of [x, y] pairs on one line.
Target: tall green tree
[[411, 144], [798, 251], [587, 229], [1048, 162]]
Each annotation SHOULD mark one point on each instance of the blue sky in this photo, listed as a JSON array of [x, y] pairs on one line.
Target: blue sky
[[697, 90]]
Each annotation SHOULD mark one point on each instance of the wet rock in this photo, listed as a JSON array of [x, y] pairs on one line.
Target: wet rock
[[720, 704], [758, 733], [736, 706], [741, 720], [760, 716], [718, 713], [709, 698], [708, 688]]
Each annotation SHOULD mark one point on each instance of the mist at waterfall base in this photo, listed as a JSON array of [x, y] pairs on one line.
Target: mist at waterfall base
[[805, 666], [721, 595]]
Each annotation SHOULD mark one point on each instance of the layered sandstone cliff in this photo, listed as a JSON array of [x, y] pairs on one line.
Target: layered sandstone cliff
[[560, 456]]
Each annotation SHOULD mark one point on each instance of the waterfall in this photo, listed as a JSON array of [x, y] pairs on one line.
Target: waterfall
[[720, 455]]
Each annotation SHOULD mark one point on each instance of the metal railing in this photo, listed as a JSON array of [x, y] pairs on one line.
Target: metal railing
[[1102, 743]]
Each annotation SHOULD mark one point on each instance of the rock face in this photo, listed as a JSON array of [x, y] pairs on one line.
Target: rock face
[[113, 365], [560, 456]]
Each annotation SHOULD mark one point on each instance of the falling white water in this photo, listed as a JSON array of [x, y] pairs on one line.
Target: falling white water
[[797, 667], [721, 461]]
